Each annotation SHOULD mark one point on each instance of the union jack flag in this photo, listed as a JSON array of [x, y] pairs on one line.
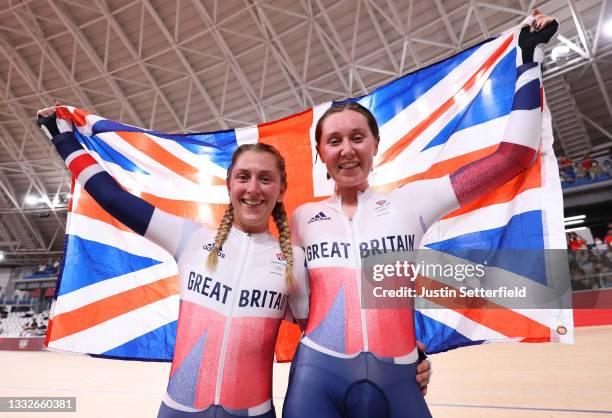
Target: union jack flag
[[118, 294]]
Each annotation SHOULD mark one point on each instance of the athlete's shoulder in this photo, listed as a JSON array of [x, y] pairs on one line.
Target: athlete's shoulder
[[205, 231], [192, 236], [311, 205], [305, 209], [424, 186], [398, 193], [269, 242], [190, 228], [313, 212], [302, 218]]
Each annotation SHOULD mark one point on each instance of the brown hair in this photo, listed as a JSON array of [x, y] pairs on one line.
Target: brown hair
[[355, 107], [278, 213]]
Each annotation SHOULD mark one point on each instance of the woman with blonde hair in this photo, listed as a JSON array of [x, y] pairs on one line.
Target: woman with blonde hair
[[232, 297]]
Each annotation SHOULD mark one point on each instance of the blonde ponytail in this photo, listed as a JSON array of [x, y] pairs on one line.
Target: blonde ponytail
[[222, 232], [284, 239]]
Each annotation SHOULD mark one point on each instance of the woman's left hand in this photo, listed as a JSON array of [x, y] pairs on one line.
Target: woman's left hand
[[540, 20], [424, 371]]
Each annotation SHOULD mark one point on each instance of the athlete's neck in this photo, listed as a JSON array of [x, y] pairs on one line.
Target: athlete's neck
[[251, 229], [348, 196]]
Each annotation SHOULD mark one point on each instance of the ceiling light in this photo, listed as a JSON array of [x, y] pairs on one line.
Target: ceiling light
[[560, 51], [608, 28], [573, 218], [1, 255], [576, 229], [31, 200], [574, 222]]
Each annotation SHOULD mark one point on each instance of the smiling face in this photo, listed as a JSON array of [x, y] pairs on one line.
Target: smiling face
[[347, 146], [255, 185]]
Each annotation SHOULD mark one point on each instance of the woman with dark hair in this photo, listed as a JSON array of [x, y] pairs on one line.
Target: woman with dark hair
[[232, 301], [356, 360]]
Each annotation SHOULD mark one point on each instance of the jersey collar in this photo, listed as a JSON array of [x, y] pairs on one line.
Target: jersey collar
[[241, 236], [335, 200]]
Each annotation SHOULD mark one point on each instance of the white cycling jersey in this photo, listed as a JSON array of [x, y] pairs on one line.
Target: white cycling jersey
[[339, 324], [335, 245], [228, 318]]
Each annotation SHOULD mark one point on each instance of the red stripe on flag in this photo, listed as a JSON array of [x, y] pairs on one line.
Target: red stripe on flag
[[403, 142], [80, 163], [439, 169], [143, 143], [85, 205], [70, 202], [88, 316], [205, 213], [529, 179], [484, 312], [291, 136], [77, 117], [209, 214]]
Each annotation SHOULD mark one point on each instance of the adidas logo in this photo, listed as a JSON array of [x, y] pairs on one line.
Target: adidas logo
[[319, 217], [209, 247]]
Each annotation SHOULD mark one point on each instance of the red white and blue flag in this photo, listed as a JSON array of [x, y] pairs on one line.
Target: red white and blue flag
[[118, 294]]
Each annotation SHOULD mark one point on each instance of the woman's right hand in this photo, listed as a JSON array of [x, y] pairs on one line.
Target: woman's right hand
[[49, 124], [48, 111]]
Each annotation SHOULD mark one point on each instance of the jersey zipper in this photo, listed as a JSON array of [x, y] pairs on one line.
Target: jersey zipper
[[364, 327], [228, 321]]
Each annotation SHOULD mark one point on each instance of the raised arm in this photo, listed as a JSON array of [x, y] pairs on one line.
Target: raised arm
[[134, 212], [521, 140], [519, 147]]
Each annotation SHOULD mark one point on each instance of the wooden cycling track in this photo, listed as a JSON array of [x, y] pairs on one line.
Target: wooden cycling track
[[492, 381]]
